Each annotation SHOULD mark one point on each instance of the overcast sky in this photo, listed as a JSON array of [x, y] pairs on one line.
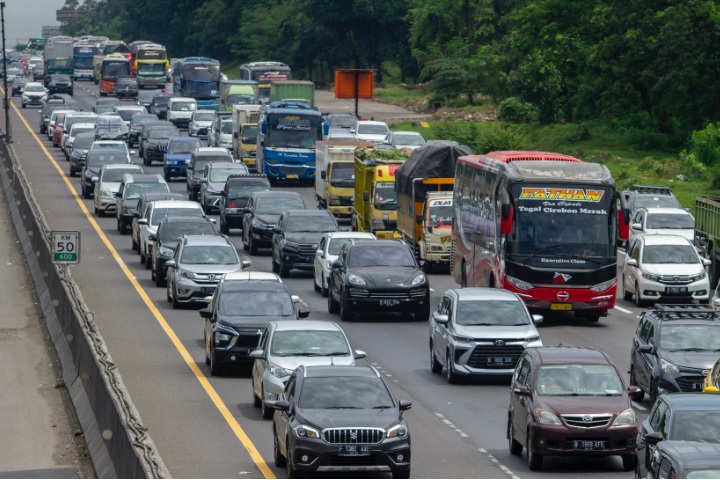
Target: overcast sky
[[25, 18]]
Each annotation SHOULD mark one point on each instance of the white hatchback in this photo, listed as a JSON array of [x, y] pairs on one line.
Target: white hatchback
[[327, 252], [664, 267]]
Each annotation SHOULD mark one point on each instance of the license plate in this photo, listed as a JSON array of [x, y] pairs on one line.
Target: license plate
[[353, 450], [696, 387], [445, 239], [208, 290], [291, 177], [588, 445], [308, 260], [561, 306], [676, 289], [389, 302], [499, 361]]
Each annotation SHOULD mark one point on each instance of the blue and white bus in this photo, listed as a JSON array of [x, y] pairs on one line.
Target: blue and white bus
[[198, 78]]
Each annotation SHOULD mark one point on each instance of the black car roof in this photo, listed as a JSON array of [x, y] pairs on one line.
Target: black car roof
[[690, 313], [186, 220], [693, 455], [692, 401], [305, 212], [277, 193], [317, 371]]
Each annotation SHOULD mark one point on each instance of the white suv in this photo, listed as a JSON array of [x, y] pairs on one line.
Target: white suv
[[180, 110], [664, 267]]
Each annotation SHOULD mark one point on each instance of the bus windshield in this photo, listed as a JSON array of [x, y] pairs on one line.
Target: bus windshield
[[147, 68], [293, 130], [559, 221], [113, 70]]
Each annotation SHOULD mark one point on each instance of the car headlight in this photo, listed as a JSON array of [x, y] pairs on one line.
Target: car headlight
[[190, 275], [699, 276], [279, 372], [668, 367], [545, 417], [303, 431], [213, 192], [292, 246], [459, 338], [106, 193], [651, 276], [418, 280], [168, 252], [625, 418], [355, 280], [517, 283], [259, 224], [601, 287], [397, 431]]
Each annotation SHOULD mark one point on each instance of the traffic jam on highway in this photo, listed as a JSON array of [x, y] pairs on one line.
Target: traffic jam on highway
[[234, 195]]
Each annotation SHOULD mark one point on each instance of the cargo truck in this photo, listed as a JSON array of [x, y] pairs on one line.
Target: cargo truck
[[58, 56], [424, 188], [707, 234], [292, 91], [237, 92], [335, 175], [245, 128], [374, 201]]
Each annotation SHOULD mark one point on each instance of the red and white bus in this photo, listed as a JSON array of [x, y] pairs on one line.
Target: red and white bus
[[542, 225]]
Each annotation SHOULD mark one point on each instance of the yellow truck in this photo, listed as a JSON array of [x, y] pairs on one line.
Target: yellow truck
[[424, 187], [375, 203], [245, 130], [335, 175]]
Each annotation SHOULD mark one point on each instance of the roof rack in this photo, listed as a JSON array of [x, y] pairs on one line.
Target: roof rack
[[650, 189], [684, 312]]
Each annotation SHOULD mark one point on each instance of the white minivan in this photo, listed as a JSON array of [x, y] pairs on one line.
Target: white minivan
[[180, 110]]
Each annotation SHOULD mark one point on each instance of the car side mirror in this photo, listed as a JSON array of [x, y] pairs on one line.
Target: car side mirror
[[337, 263], [246, 263], [277, 229], [419, 219], [323, 174], [647, 348], [404, 405], [631, 262], [320, 253], [636, 226], [206, 312], [94, 179], [246, 210], [142, 221], [522, 391], [440, 318], [259, 354], [633, 389], [360, 354], [366, 196], [133, 152], [303, 313], [208, 299], [716, 302], [170, 264], [706, 262], [653, 438], [537, 319], [280, 405], [152, 237]]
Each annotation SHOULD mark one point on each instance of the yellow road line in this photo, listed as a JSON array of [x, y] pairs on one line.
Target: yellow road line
[[229, 418]]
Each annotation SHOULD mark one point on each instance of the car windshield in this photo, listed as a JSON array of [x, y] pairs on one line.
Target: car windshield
[[77, 130], [182, 107], [104, 109], [83, 142], [160, 213], [276, 205], [162, 133], [491, 312], [665, 201], [342, 121], [325, 393], [221, 174], [309, 343], [172, 231], [578, 380], [256, 303], [184, 146], [385, 196], [203, 116], [372, 129], [34, 88], [670, 254], [140, 120], [690, 337], [696, 425], [209, 255], [127, 114], [245, 191], [440, 214], [670, 220], [135, 189], [310, 223], [162, 100], [336, 244], [226, 126], [381, 256], [702, 474], [116, 174], [249, 134], [407, 139], [113, 146], [95, 160]]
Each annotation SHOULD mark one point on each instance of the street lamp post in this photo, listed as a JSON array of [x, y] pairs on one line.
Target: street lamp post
[[6, 103]]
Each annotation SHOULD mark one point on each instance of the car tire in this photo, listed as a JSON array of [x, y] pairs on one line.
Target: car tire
[[637, 397], [251, 245], [265, 410], [122, 226], [401, 474], [205, 352], [277, 456], [629, 462], [424, 315], [275, 265], [653, 393], [284, 270], [638, 301], [85, 193], [244, 243], [71, 172], [148, 261], [166, 176], [176, 305], [452, 377], [142, 254], [159, 279], [224, 228], [134, 243], [168, 297], [289, 469], [534, 460], [333, 306], [627, 296], [23, 105], [215, 370], [345, 314], [316, 287], [515, 447], [324, 289], [206, 208], [435, 365], [256, 401]]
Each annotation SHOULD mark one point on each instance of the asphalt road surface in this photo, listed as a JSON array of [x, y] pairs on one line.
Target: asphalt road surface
[[206, 427]]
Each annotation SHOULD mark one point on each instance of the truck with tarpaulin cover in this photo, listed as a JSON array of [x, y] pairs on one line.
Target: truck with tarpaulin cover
[[286, 140], [58, 56], [424, 187], [374, 200]]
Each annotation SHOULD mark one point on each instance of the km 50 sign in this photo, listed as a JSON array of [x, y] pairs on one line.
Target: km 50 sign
[[65, 247]]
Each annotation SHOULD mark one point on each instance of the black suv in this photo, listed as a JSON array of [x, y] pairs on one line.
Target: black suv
[[126, 87], [154, 144], [238, 313], [309, 434], [261, 215], [645, 196], [159, 105], [677, 416], [371, 276], [235, 196], [93, 163], [296, 238], [60, 83], [681, 459], [135, 128], [673, 349], [165, 241], [132, 187]]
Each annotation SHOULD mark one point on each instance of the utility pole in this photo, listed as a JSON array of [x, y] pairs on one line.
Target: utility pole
[[6, 103]]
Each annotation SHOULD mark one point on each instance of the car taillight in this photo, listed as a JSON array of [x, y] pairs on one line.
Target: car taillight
[[232, 205]]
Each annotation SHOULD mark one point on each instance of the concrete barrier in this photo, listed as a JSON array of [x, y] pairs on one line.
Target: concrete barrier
[[119, 444]]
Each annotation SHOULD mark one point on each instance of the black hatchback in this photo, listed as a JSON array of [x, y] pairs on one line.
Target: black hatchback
[[340, 419], [126, 87], [60, 83]]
